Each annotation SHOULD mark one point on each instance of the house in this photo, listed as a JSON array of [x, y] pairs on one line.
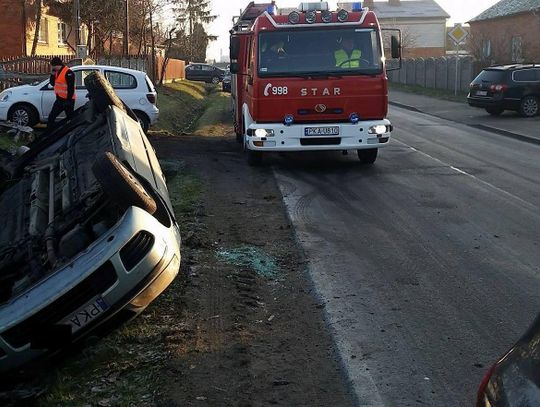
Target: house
[[422, 24], [17, 31], [507, 32]]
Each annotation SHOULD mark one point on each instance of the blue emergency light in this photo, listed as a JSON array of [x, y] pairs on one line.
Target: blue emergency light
[[357, 6], [271, 9]]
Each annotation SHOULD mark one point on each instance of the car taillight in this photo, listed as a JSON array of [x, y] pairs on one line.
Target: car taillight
[[151, 98], [498, 88], [483, 385]]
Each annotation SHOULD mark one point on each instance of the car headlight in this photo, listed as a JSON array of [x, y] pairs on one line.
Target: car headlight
[[264, 132], [378, 129], [4, 96]]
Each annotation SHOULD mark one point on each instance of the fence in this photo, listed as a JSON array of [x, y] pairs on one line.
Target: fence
[[436, 73], [21, 70]]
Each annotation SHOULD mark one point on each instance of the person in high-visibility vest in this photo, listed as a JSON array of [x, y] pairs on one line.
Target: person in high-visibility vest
[[347, 56], [63, 81]]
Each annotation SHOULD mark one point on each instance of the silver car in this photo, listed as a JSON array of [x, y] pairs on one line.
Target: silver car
[[87, 232]]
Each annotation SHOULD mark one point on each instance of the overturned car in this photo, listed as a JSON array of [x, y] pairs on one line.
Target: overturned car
[[88, 236]]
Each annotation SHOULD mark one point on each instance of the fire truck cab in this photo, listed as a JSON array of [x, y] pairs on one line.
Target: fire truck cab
[[309, 79]]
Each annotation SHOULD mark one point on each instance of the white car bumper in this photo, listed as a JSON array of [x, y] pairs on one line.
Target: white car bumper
[[112, 271], [4, 108], [293, 138]]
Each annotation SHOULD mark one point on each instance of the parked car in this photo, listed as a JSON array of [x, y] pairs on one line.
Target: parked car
[[515, 379], [507, 87], [204, 72], [226, 83], [88, 237], [31, 104]]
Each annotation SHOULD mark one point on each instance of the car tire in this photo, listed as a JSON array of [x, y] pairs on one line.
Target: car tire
[[143, 119], [494, 111], [101, 92], [368, 156], [120, 184], [529, 106], [215, 80], [23, 114]]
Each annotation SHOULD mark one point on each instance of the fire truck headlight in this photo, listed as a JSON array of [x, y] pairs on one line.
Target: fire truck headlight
[[311, 16], [342, 15], [378, 129], [354, 118], [288, 119], [264, 133], [326, 16], [294, 17]]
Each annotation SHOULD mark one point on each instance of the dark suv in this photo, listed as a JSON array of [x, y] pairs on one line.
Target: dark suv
[[508, 87], [204, 72]]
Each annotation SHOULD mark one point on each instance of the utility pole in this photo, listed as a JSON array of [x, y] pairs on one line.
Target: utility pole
[[77, 22], [126, 30]]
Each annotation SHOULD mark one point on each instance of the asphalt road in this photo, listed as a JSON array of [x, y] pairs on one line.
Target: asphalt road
[[428, 262]]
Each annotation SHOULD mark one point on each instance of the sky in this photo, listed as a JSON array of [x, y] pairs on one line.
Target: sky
[[460, 11]]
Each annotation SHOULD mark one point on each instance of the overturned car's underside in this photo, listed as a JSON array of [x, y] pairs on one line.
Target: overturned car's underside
[[87, 231]]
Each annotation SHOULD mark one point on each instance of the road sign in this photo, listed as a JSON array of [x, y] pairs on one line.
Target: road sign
[[458, 34]]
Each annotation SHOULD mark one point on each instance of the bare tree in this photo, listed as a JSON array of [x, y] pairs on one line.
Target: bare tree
[[39, 12]]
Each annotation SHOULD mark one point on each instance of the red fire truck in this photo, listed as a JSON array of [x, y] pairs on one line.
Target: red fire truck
[[310, 79]]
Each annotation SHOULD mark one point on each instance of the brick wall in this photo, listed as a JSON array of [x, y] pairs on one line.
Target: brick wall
[[12, 31], [500, 32]]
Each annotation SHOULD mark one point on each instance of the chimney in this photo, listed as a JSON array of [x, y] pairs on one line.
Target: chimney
[[394, 2], [369, 4]]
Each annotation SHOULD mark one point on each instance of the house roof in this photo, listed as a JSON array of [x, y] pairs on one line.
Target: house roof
[[405, 9], [506, 8]]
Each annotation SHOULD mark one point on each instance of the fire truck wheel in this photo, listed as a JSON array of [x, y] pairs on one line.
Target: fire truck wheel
[[254, 158], [368, 156]]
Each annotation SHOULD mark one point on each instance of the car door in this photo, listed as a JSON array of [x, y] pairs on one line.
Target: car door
[[125, 85]]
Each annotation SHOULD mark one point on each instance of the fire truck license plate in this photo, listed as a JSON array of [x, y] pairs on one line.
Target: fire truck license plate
[[321, 131]]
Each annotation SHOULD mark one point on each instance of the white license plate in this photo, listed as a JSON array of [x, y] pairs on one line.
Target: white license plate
[[481, 93], [86, 314], [321, 131]]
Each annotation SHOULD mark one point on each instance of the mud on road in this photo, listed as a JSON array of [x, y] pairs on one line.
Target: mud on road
[[250, 328]]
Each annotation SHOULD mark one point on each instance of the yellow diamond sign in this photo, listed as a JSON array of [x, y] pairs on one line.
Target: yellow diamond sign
[[458, 34]]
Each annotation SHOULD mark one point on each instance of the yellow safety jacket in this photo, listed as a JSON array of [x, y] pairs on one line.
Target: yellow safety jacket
[[341, 56]]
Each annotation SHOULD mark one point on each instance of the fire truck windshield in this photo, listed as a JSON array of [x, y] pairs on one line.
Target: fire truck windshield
[[318, 52]]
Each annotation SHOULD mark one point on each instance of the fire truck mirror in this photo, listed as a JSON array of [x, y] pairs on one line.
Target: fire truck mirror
[[233, 67], [234, 47], [396, 47]]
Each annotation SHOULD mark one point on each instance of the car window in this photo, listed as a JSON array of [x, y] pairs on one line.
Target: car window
[[121, 80], [80, 74], [206, 68], [524, 75], [491, 75], [195, 67], [537, 71]]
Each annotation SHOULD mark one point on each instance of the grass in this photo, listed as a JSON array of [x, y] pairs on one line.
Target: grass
[[8, 143], [181, 104], [436, 93]]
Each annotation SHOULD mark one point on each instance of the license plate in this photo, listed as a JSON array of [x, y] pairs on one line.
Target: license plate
[[86, 314], [321, 131], [481, 93]]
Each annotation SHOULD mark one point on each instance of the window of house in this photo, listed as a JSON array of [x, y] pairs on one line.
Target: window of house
[[486, 48], [517, 50], [43, 35], [62, 33]]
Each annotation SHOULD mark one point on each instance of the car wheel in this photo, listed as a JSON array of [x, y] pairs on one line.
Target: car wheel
[[101, 92], [120, 184], [24, 115], [215, 80], [529, 106], [368, 156], [494, 111], [143, 119]]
